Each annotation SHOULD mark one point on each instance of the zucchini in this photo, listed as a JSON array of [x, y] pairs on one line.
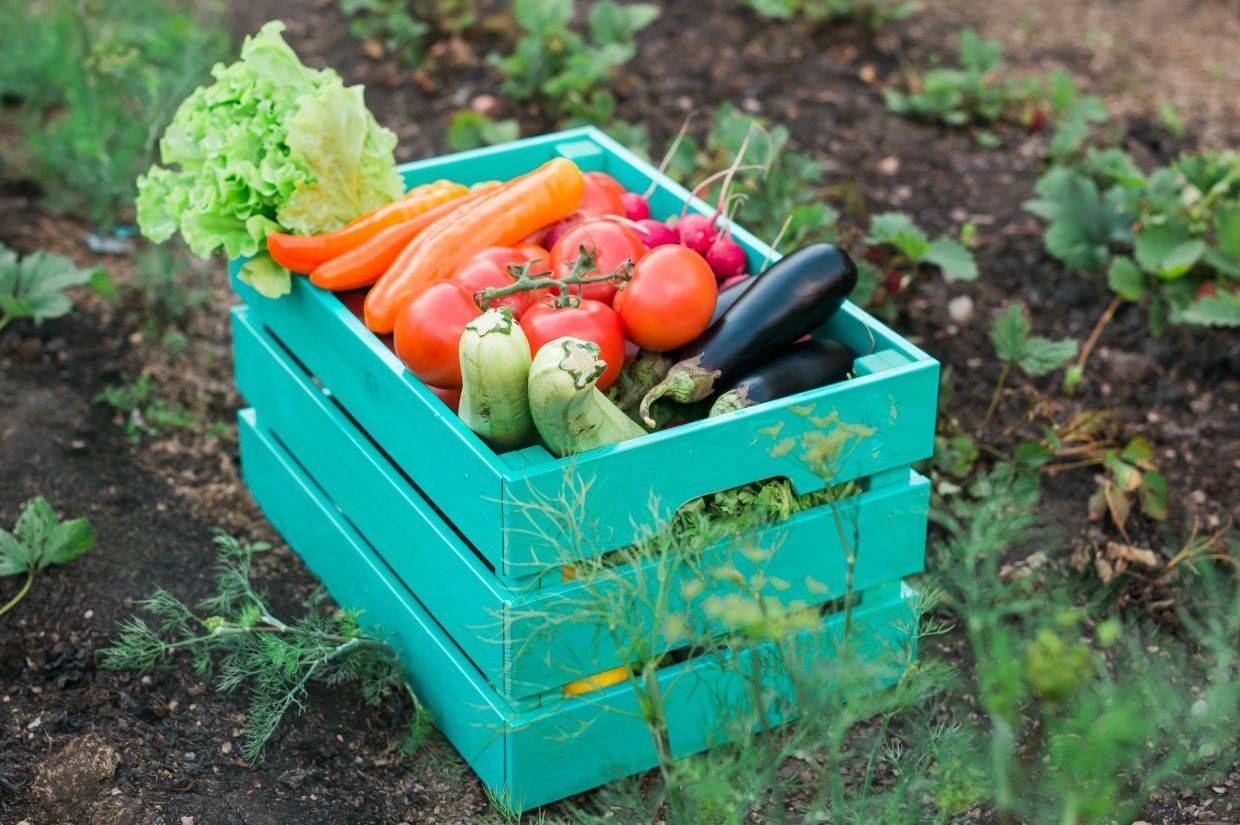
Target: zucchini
[[569, 411], [495, 367]]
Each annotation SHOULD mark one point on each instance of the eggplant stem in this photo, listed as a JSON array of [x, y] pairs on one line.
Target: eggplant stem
[[685, 382]]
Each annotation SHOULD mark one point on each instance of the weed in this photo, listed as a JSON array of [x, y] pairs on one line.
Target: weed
[[144, 412], [469, 129], [1170, 238], [40, 539], [277, 659], [900, 252], [97, 83], [874, 14], [564, 72], [1015, 347], [171, 287], [35, 286], [403, 27]]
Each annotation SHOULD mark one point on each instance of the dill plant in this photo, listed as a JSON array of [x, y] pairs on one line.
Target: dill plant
[[236, 637]]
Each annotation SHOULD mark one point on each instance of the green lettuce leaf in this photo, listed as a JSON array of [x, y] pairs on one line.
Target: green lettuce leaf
[[349, 157], [269, 145]]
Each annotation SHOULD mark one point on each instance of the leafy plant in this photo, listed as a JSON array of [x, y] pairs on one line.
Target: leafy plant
[[171, 287], [35, 286], [468, 129], [97, 82], [403, 27], [144, 412], [903, 251], [1130, 476], [240, 635], [1073, 113], [566, 72], [976, 91], [40, 539], [1015, 347], [1171, 237], [876, 14]]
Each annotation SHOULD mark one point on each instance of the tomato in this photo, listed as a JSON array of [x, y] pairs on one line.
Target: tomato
[[490, 268], [428, 331], [589, 320], [669, 300], [601, 196], [539, 255], [452, 398], [612, 243]]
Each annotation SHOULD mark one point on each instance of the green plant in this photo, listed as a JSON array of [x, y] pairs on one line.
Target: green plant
[[403, 27], [35, 286], [976, 91], [170, 286], [1171, 237], [876, 14], [1130, 473], [1015, 347], [1083, 715], [97, 82], [240, 635], [39, 539], [144, 412], [566, 72], [900, 251], [1073, 113], [469, 129]]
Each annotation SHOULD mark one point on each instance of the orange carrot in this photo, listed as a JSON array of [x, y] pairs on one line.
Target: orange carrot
[[362, 265], [506, 216], [302, 253]]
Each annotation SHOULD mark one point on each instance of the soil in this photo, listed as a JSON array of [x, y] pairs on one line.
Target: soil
[[79, 743]]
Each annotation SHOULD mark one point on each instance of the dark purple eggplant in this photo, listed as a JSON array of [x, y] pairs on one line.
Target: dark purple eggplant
[[728, 296], [796, 295], [803, 366]]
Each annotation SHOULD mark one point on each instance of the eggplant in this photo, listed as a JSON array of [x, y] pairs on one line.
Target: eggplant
[[796, 295], [803, 366], [728, 296]]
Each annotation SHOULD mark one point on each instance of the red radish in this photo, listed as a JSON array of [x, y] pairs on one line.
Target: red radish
[[726, 258], [735, 279], [557, 230], [656, 233], [696, 232], [635, 206], [893, 283]]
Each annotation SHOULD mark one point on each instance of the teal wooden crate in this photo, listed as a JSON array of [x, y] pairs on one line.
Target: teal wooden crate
[[505, 625], [485, 495], [530, 756]]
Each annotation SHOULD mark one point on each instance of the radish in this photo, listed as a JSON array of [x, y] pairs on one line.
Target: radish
[[656, 233], [558, 228], [735, 279], [696, 232], [726, 258], [635, 206]]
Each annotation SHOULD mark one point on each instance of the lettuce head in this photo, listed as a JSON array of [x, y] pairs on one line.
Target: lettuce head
[[270, 145]]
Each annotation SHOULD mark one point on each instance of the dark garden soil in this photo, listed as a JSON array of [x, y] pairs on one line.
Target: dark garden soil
[[79, 744]]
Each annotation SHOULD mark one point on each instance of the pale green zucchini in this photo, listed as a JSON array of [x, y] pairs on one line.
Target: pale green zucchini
[[571, 415], [495, 366]]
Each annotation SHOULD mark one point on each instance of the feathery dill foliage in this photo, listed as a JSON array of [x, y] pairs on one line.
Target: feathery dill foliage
[[1084, 716], [235, 635]]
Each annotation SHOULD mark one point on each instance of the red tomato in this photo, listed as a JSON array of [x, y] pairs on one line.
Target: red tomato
[[428, 331], [612, 243], [601, 196], [590, 321], [452, 398], [539, 255], [669, 300]]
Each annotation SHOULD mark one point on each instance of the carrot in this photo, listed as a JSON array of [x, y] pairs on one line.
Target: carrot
[[362, 265], [302, 253], [506, 216]]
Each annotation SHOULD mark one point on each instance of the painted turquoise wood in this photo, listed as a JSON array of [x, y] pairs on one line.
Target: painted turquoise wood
[[482, 493], [518, 635], [537, 756]]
